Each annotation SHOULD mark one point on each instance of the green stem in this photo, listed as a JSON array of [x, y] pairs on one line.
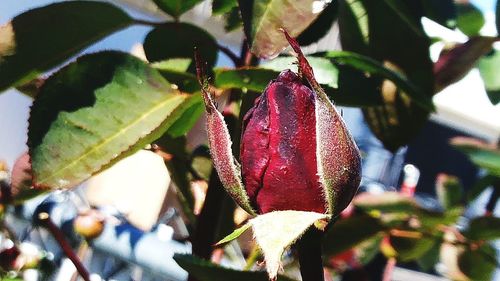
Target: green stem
[[309, 248], [252, 257]]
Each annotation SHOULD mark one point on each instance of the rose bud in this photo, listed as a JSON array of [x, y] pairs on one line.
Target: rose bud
[[296, 152]]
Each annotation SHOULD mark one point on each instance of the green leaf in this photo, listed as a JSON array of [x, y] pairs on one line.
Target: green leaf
[[220, 7], [235, 234], [455, 63], [178, 40], [374, 67], [320, 27], [428, 260], [480, 186], [176, 8], [497, 16], [441, 11], [470, 20], [483, 228], [484, 155], [39, 39], [276, 231], [349, 233], [449, 191], [264, 18], [378, 30], [93, 113], [175, 64], [386, 202], [204, 270], [488, 68], [411, 248], [478, 264], [193, 110], [233, 20], [253, 79]]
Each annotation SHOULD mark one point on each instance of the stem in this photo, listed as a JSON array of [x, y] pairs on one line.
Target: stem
[[148, 23], [252, 257], [309, 248], [492, 202], [230, 54], [389, 269], [45, 221]]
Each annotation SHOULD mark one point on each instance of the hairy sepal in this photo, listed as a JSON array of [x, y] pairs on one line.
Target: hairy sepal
[[338, 157]]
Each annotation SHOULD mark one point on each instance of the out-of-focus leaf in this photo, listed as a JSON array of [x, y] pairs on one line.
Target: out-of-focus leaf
[[204, 270], [233, 20], [363, 30], [470, 19], [178, 40], [93, 113], [488, 68], [480, 186], [455, 63], [220, 7], [411, 248], [483, 228], [386, 202], [348, 233], [42, 38], [368, 65], [176, 8], [482, 154], [478, 264], [319, 28], [428, 260], [430, 220], [443, 12], [175, 64], [185, 81], [449, 191], [31, 88], [497, 16], [264, 18]]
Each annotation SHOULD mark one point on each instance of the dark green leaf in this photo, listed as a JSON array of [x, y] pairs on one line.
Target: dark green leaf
[[220, 7], [204, 270], [176, 8], [349, 233], [497, 16], [42, 38], [383, 31], [470, 20], [194, 108], [488, 68], [233, 20], [478, 264], [455, 63], [449, 191], [480, 186], [320, 27], [483, 228], [484, 155], [264, 18], [411, 248], [178, 40], [94, 112], [428, 260], [368, 65], [441, 11]]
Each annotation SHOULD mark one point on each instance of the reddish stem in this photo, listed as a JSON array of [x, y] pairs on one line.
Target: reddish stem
[[389, 269], [46, 222]]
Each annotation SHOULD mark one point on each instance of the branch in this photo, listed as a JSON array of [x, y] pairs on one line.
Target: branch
[[311, 264]]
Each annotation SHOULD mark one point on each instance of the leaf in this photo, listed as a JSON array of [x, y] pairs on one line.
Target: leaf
[[220, 7], [449, 191], [349, 233], [178, 40], [368, 65], [497, 16], [193, 110], [42, 38], [176, 8], [441, 11], [204, 270], [233, 20], [253, 79], [488, 68], [470, 20], [235, 234], [428, 260], [378, 30], [95, 112], [386, 202], [175, 64], [276, 231], [455, 63], [483, 228], [263, 19], [320, 27], [478, 264], [480, 186], [484, 155], [411, 248]]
